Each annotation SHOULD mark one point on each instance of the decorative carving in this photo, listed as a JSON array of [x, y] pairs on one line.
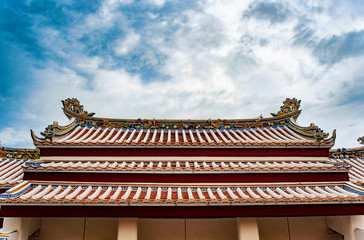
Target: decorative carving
[[290, 105], [317, 132], [19, 153], [73, 105], [361, 140], [51, 130]]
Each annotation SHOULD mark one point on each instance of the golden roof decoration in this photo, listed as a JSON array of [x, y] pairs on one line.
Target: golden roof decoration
[[73, 105], [290, 105]]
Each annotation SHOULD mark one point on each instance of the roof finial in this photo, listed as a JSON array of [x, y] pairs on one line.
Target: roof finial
[[290, 105], [73, 105]]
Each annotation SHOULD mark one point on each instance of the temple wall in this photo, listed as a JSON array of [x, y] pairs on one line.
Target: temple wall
[[212, 229], [62, 228], [155, 229], [101, 228], [24, 226], [269, 228], [79, 228], [296, 228], [194, 229]]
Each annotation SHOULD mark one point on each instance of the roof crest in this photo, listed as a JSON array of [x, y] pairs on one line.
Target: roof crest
[[290, 108]]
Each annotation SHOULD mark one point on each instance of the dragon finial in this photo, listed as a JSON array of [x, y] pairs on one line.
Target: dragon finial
[[73, 105], [361, 140], [290, 105]]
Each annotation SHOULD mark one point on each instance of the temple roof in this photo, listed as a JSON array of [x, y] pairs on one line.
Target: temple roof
[[281, 130], [68, 193]]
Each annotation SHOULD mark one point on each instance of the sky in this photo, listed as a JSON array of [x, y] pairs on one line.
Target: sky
[[181, 60]]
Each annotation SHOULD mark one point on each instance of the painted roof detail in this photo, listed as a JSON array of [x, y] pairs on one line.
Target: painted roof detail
[[18, 153], [11, 172], [281, 129], [188, 167], [169, 194]]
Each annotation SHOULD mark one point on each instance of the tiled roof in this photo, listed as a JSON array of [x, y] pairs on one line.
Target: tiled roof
[[97, 136], [11, 172], [281, 130], [192, 167], [38, 193]]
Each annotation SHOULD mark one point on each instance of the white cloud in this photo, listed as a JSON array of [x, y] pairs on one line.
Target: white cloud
[[218, 65], [157, 2], [125, 46], [15, 137]]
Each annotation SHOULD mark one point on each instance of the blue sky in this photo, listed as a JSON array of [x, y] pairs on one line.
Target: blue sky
[[181, 59]]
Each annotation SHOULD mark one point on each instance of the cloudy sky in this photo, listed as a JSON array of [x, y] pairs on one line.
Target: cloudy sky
[[181, 59]]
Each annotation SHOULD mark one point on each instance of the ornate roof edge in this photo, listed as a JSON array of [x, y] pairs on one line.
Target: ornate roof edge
[[54, 129]]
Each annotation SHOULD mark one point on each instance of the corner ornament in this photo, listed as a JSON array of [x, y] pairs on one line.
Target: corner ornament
[[290, 105], [73, 105], [361, 140]]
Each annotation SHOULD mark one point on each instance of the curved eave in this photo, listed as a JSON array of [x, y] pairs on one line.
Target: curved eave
[[310, 132], [35, 138], [85, 117], [62, 130]]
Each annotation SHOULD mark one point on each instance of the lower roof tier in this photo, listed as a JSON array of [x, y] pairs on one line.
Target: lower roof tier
[[188, 171], [188, 166], [65, 193]]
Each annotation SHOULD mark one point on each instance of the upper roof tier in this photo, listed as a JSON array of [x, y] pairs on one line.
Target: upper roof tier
[[279, 130]]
